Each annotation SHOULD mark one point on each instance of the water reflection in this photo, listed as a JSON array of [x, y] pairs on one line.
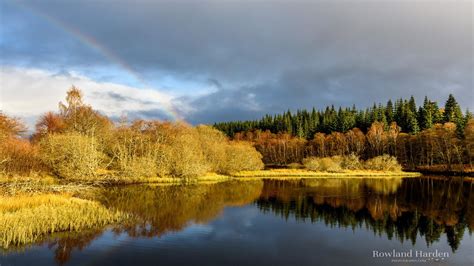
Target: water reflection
[[401, 209], [157, 210]]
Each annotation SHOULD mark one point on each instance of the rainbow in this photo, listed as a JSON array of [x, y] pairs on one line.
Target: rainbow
[[93, 44]]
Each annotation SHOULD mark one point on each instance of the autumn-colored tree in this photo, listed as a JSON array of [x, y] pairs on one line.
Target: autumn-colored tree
[[17, 155], [318, 145], [49, 123], [356, 141], [469, 140], [241, 156], [10, 126], [188, 158], [377, 139], [427, 139], [71, 155], [392, 136], [81, 118], [336, 144], [213, 144], [446, 143], [132, 154]]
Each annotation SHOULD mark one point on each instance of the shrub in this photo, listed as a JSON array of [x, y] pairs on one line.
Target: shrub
[[187, 158], [311, 163], [213, 144], [134, 154], [71, 156], [351, 162], [383, 163], [294, 166], [10, 127], [18, 157], [164, 160], [241, 156], [325, 164]]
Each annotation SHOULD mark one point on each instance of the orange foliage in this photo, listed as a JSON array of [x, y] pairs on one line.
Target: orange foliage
[[18, 156]]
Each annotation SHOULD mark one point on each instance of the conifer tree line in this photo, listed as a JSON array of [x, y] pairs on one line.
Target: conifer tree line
[[417, 136], [407, 115]]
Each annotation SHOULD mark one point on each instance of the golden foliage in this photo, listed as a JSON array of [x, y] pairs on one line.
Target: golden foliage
[[241, 156], [10, 126], [337, 164], [71, 155], [134, 155], [383, 163], [325, 164]]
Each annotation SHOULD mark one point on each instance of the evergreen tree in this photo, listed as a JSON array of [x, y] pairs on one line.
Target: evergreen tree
[[452, 111], [426, 114], [389, 113], [412, 105], [306, 124]]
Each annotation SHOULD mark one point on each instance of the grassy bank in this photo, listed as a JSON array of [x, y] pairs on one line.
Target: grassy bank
[[36, 207], [302, 173], [26, 219], [10, 186]]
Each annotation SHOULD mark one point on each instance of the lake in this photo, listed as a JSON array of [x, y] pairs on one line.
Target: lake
[[268, 222]]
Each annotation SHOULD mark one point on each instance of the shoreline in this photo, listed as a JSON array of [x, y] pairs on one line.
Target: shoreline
[[52, 184], [210, 177], [301, 173]]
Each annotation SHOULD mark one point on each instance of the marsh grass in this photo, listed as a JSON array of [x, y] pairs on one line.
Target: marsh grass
[[302, 173], [10, 186], [27, 219]]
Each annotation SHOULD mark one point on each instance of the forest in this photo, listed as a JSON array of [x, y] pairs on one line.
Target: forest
[[419, 137], [79, 143]]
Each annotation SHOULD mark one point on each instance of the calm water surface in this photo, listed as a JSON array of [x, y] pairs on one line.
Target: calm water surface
[[304, 222]]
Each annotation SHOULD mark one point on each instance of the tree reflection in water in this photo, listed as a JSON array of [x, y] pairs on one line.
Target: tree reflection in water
[[406, 208], [400, 208]]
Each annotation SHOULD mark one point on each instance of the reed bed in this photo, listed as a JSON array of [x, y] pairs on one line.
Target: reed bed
[[301, 173], [26, 219], [33, 186]]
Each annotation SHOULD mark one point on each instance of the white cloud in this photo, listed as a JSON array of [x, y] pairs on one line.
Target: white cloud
[[29, 92]]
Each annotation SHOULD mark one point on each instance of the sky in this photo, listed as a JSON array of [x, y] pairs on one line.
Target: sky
[[211, 61]]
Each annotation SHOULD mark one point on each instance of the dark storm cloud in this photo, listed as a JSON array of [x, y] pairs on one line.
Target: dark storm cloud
[[267, 56]]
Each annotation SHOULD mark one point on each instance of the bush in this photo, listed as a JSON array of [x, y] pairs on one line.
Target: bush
[[187, 157], [326, 164], [71, 156], [163, 160], [383, 163], [213, 145], [134, 154], [18, 157], [351, 162], [294, 166], [241, 156]]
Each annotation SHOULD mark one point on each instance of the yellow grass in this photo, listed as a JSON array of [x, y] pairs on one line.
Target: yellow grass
[[209, 177], [25, 219], [301, 173], [10, 186]]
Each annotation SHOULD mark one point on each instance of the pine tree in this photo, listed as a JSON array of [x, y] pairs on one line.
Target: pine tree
[[389, 112], [412, 126], [426, 114], [452, 111], [412, 104]]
